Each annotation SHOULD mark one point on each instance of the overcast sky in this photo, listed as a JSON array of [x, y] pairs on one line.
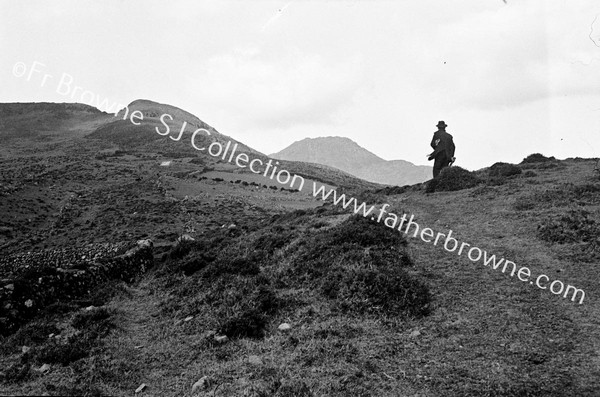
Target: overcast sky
[[509, 79]]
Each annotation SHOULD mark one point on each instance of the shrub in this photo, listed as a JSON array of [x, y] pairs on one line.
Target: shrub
[[364, 232], [504, 170], [430, 188], [243, 304], [452, 179], [537, 158], [359, 264], [389, 290], [574, 226], [353, 240]]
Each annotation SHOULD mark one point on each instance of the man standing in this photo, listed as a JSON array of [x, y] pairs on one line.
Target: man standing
[[443, 149]]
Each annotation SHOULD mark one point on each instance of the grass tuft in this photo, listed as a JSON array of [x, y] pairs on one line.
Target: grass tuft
[[359, 264], [504, 170], [452, 179], [537, 158], [572, 227]]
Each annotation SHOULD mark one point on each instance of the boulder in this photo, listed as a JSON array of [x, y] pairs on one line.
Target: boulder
[[145, 243], [201, 384], [284, 327], [185, 237]]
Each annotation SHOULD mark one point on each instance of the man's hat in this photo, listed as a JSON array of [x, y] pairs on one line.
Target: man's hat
[[441, 124]]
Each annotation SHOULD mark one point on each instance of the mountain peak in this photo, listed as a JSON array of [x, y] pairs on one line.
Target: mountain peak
[[148, 106], [151, 109], [335, 151], [345, 154], [334, 140]]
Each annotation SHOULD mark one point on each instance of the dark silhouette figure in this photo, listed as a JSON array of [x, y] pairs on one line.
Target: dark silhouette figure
[[443, 149]]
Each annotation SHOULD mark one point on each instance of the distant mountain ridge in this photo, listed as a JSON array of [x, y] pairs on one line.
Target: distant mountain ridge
[[24, 126], [346, 155]]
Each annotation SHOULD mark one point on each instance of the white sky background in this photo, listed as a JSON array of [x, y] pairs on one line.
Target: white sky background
[[509, 79]]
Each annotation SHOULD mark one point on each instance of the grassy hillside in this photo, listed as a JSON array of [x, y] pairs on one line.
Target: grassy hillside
[[255, 290], [317, 302], [70, 174]]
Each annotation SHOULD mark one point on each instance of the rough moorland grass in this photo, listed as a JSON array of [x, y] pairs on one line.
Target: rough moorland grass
[[359, 264], [225, 284], [235, 289], [360, 290], [560, 196], [571, 227], [483, 341], [90, 327], [356, 265], [30, 334], [244, 305]]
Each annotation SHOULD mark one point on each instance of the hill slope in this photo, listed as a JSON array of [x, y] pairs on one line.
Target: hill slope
[[69, 173], [269, 301], [347, 155]]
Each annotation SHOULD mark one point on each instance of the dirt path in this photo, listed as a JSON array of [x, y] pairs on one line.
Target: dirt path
[[147, 344]]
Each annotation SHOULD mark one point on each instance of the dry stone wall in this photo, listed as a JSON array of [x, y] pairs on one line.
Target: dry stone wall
[[25, 294]]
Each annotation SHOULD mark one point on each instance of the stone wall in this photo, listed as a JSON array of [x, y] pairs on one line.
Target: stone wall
[[24, 295]]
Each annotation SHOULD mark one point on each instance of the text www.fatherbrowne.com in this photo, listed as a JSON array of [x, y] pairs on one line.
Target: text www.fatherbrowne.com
[[450, 244], [391, 220]]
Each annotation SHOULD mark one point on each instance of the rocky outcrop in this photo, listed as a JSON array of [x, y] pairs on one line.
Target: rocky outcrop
[[25, 294]]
